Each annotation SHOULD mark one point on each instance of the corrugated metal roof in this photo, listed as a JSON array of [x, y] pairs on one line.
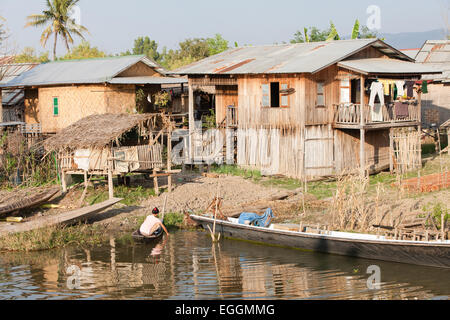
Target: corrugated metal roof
[[148, 80], [79, 71], [387, 66], [412, 53], [288, 58], [436, 53], [9, 72]]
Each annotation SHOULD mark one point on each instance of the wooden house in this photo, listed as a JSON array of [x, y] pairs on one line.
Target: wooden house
[[57, 94], [298, 109], [436, 102]]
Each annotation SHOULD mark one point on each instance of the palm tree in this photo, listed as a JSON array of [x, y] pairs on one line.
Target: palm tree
[[57, 16]]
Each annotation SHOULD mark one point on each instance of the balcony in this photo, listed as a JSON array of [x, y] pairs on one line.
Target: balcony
[[348, 116]]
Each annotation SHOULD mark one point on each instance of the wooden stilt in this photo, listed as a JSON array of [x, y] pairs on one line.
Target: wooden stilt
[[110, 181], [63, 181], [169, 160], [391, 151], [85, 174], [155, 183], [362, 155], [191, 123]]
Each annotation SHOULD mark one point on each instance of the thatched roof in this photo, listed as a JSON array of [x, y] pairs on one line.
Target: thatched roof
[[97, 131]]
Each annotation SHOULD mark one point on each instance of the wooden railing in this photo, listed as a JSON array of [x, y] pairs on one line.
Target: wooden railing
[[31, 128], [351, 114]]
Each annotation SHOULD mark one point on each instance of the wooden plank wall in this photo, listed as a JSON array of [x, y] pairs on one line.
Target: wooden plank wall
[[225, 96], [321, 115], [319, 151], [346, 146]]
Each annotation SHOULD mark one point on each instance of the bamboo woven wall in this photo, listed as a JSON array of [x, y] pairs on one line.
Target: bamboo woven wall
[[31, 104], [77, 102]]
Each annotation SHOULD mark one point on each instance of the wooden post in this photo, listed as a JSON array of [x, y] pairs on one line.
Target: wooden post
[[442, 227], [155, 182], [1, 107], [391, 151], [85, 179], [169, 160], [110, 180], [63, 181], [191, 122], [419, 127], [362, 154]]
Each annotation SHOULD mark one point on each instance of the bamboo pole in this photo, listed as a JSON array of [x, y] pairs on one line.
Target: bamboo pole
[[164, 209], [169, 159], [63, 181], [362, 158], [110, 180]]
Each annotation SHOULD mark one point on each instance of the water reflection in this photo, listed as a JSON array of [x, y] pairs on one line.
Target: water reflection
[[188, 266]]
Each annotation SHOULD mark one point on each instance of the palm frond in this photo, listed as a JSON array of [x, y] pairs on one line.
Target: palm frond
[[355, 31]]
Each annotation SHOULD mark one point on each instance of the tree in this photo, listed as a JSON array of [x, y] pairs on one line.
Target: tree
[[147, 47], [315, 35], [217, 44], [2, 30], [332, 32], [84, 51], [60, 23], [28, 55]]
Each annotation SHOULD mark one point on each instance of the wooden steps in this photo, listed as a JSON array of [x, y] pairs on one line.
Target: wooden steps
[[58, 219]]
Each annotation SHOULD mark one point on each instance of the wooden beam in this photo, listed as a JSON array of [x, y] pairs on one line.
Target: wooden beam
[[110, 180], [169, 159], [362, 151], [191, 121], [63, 181], [391, 151]]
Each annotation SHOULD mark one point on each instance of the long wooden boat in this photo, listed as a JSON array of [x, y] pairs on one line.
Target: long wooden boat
[[30, 201], [426, 253], [65, 218]]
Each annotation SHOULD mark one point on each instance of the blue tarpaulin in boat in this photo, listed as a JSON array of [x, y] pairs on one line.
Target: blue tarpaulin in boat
[[256, 220]]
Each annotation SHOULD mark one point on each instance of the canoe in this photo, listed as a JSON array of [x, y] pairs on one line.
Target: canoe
[[425, 253], [138, 237], [30, 201], [64, 218]]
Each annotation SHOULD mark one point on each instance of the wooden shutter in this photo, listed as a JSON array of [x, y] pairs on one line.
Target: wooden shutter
[[55, 106], [284, 97], [320, 94], [265, 101]]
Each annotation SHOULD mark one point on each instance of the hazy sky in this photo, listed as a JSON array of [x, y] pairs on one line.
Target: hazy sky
[[113, 24]]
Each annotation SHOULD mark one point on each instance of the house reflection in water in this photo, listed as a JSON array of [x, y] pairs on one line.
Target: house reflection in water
[[188, 266]]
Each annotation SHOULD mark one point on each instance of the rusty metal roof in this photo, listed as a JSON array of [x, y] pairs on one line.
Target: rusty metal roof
[[8, 72], [286, 58], [436, 53]]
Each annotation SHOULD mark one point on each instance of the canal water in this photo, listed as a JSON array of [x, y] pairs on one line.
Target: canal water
[[188, 266]]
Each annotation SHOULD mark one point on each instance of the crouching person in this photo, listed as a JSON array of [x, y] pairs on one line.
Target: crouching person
[[152, 226]]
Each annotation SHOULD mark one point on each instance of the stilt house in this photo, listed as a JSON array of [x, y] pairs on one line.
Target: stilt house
[[305, 110]]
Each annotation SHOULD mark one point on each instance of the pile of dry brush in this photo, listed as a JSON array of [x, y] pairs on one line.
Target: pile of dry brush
[[24, 164]]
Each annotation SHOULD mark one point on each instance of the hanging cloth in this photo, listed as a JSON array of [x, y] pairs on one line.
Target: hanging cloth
[[376, 89], [410, 88], [400, 85], [424, 86]]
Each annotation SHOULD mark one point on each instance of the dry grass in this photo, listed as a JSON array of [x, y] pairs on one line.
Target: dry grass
[[53, 237]]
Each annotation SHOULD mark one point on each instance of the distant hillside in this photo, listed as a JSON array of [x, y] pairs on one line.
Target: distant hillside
[[407, 40]]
